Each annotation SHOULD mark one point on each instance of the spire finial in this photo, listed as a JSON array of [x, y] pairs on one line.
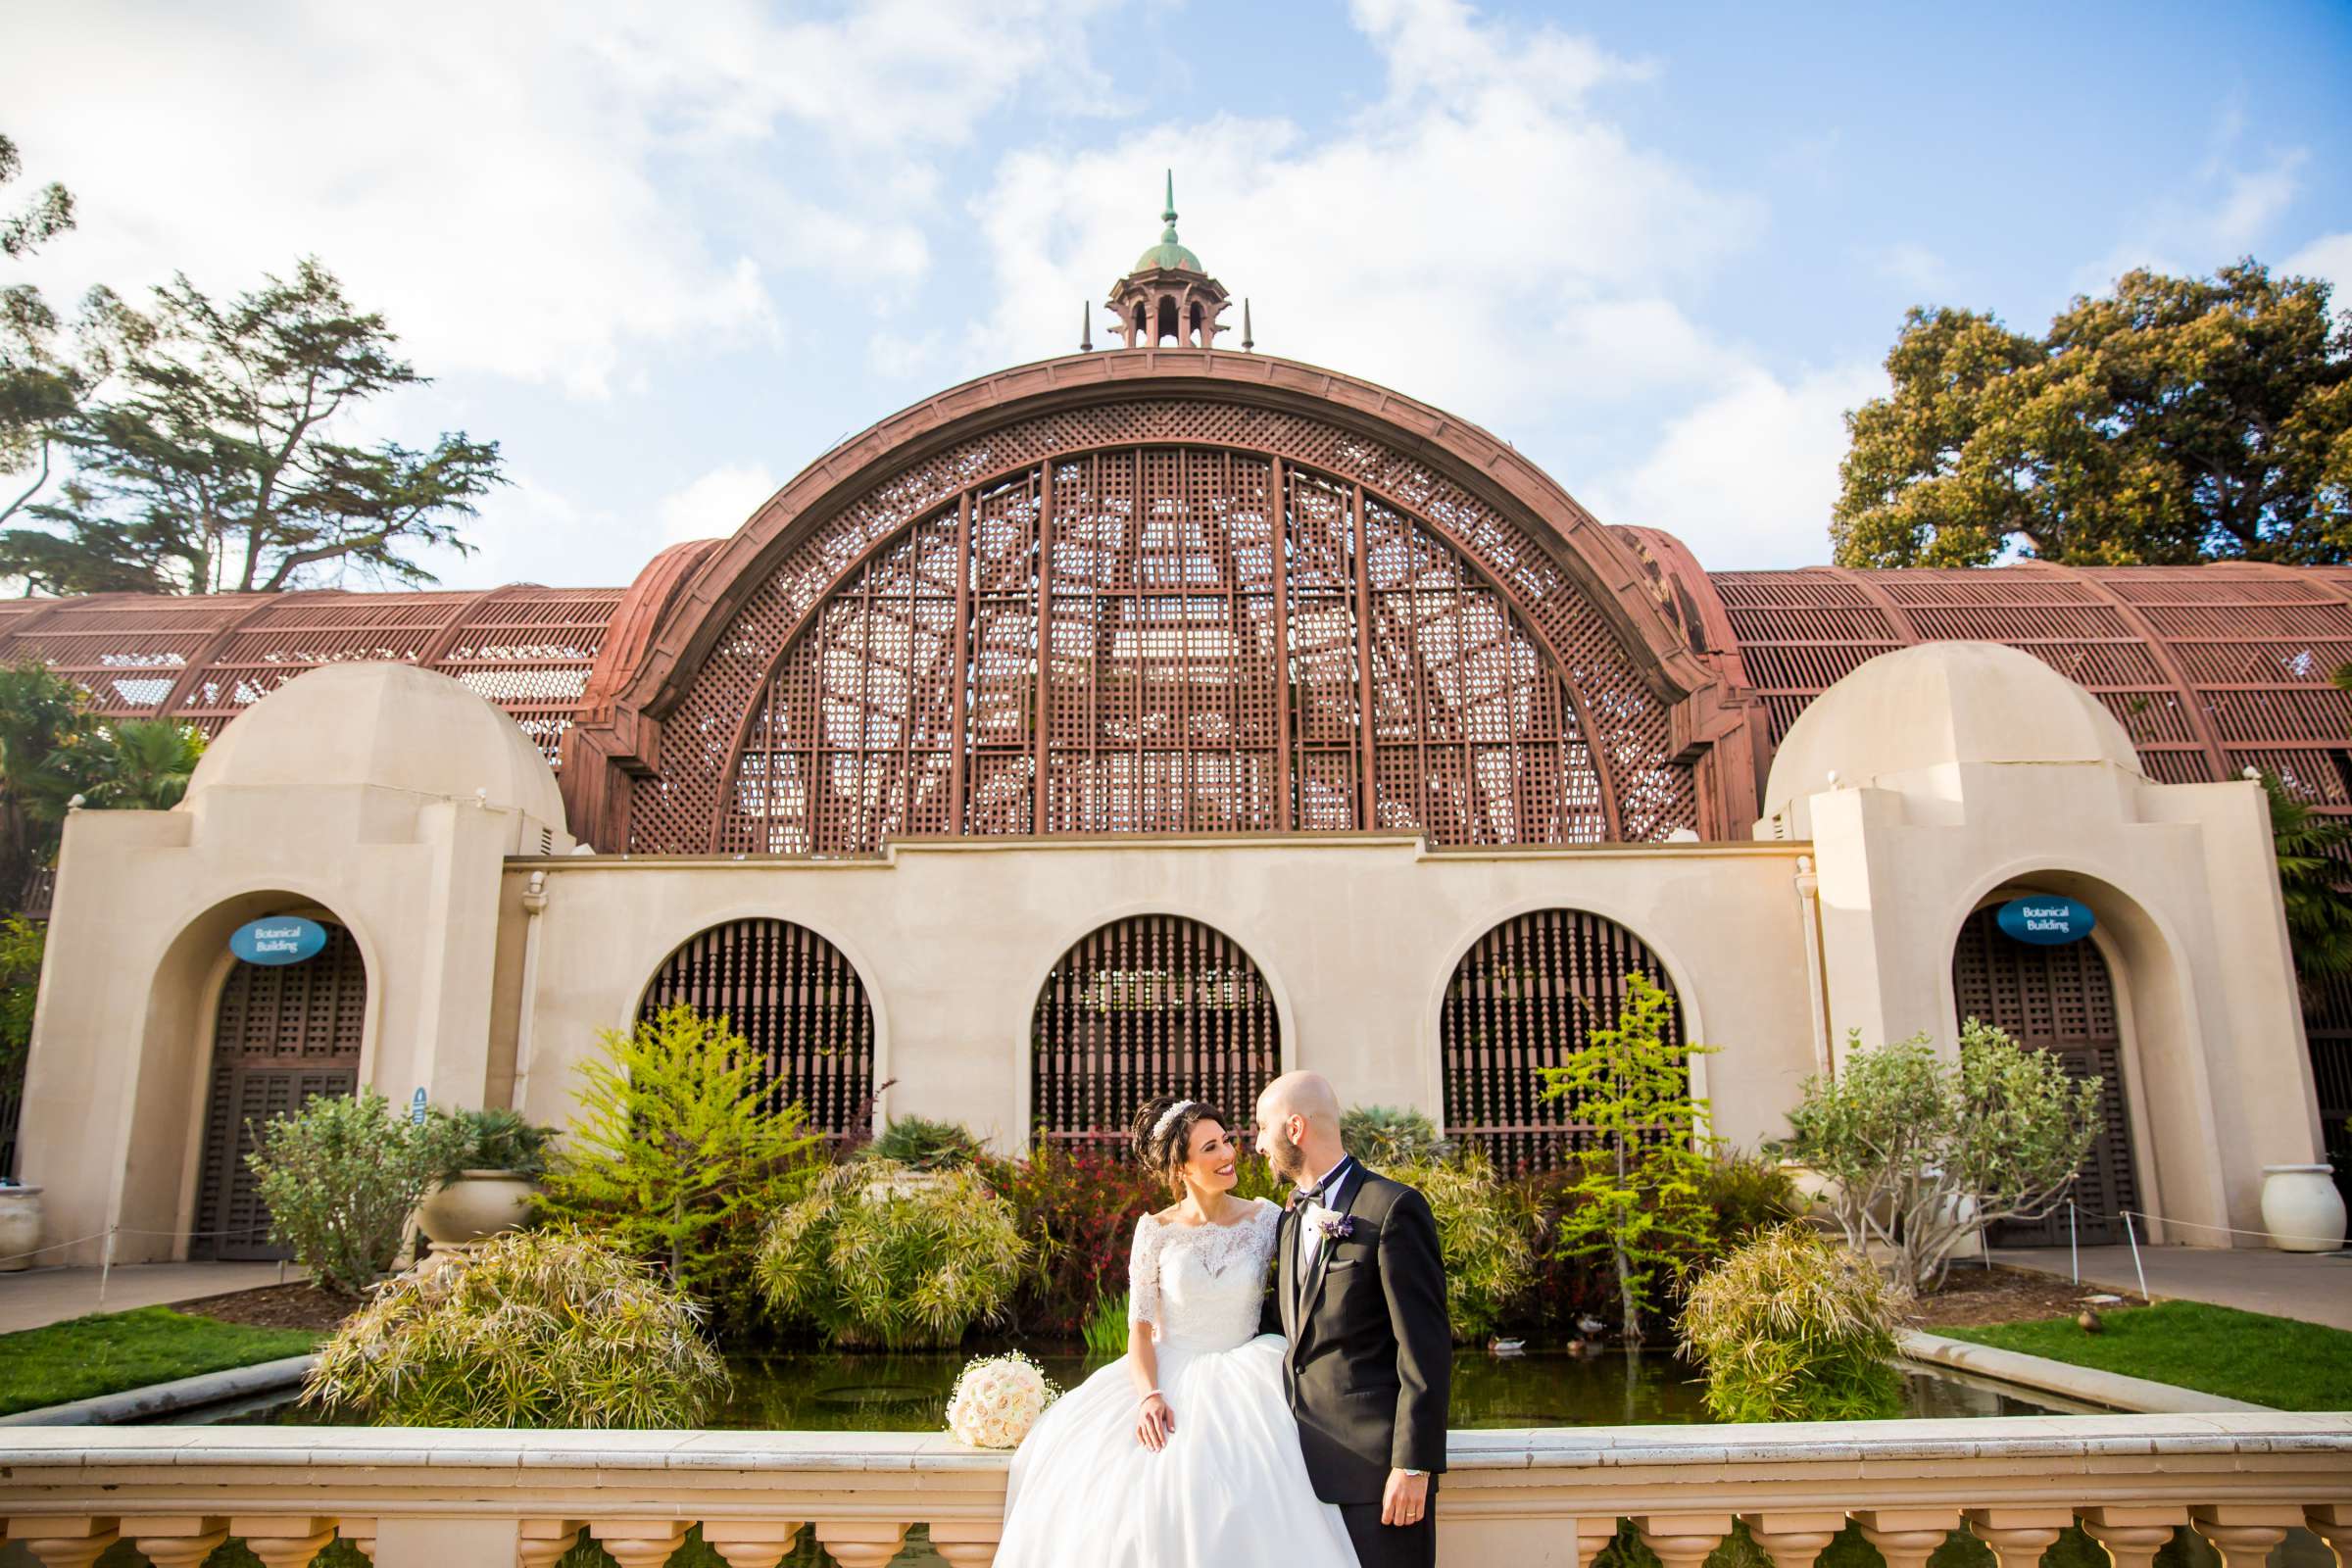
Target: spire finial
[[1247, 344], [1086, 328], [1169, 214]]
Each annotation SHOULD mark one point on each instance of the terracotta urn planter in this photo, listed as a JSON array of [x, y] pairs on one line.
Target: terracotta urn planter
[[2301, 1208], [20, 1227], [478, 1205]]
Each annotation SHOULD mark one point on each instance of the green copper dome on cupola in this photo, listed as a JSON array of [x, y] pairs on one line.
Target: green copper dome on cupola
[[1167, 253]]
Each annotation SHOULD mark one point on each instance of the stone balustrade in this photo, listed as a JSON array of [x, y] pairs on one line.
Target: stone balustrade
[[1531, 1499]]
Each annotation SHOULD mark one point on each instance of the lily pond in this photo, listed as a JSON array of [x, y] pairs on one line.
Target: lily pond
[[827, 1390]]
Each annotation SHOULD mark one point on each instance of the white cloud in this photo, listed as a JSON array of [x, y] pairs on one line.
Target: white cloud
[[1748, 476], [1913, 266], [717, 503], [2221, 212], [2328, 257]]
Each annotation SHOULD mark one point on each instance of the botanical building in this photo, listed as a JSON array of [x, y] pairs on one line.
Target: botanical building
[[1165, 716]]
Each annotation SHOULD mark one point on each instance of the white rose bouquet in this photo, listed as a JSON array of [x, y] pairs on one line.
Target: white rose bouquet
[[998, 1400]]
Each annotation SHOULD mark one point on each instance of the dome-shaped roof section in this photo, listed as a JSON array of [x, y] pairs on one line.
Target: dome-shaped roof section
[[1170, 255], [388, 724], [1936, 704]]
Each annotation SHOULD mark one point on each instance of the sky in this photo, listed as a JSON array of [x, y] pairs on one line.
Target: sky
[[666, 255]]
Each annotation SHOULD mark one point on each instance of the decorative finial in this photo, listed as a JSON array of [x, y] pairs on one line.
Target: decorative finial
[[1247, 344], [1086, 328], [1168, 214]]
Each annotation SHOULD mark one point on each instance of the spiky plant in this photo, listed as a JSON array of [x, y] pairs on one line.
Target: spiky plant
[[1106, 1329], [1382, 1136], [1793, 1327], [550, 1328], [878, 1253], [1489, 1256], [2314, 882]]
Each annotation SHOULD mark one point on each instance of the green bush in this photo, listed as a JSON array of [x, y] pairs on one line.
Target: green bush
[[1075, 1207], [550, 1328], [341, 1177], [880, 1254], [1795, 1328], [1748, 1193], [486, 1140], [1107, 1330], [921, 1144], [1488, 1246], [676, 1155], [20, 945], [1382, 1136]]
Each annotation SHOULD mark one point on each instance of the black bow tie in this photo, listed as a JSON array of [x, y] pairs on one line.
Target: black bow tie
[[1308, 1194]]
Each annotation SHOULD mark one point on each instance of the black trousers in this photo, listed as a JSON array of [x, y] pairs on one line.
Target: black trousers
[[1379, 1546]]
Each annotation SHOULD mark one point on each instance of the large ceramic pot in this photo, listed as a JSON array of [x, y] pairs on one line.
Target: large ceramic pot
[[2301, 1208], [20, 1226], [1814, 1190], [478, 1204]]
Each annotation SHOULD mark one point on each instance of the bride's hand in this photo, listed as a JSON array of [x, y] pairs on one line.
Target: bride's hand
[[1154, 1422]]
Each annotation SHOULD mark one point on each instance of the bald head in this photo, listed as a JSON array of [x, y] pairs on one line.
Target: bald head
[[1298, 1125]]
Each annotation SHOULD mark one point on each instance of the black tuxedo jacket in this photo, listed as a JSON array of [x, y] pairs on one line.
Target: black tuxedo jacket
[[1370, 1362]]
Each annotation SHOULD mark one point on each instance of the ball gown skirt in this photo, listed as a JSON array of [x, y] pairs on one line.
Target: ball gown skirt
[[1229, 1491]]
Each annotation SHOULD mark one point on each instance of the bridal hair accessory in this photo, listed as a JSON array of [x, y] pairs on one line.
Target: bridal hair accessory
[[997, 1398], [1167, 1118]]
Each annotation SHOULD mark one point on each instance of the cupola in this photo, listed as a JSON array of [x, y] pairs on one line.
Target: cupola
[[1168, 296]]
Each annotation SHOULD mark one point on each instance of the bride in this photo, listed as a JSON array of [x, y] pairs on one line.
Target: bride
[[1183, 1453]]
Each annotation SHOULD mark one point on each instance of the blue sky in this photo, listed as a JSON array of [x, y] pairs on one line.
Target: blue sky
[[667, 254]]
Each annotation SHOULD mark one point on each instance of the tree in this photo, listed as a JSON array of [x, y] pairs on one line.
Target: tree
[[2178, 420], [1927, 1152], [2312, 875], [45, 379], [1639, 1199], [219, 465]]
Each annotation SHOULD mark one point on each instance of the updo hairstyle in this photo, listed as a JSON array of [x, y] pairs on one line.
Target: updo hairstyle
[[1161, 1150]]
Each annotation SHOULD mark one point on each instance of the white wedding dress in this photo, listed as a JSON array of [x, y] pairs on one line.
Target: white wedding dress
[[1230, 1488]]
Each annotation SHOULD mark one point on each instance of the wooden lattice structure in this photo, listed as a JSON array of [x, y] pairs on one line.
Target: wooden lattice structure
[[1141, 1005], [798, 1002], [1528, 992]]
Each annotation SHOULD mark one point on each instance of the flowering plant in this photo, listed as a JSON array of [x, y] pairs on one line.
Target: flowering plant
[[996, 1400]]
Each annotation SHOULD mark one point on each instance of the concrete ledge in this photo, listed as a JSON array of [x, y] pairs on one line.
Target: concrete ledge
[[2111, 1388], [162, 1399]]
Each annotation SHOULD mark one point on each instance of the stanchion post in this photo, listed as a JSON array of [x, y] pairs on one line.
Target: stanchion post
[[106, 1265], [2132, 1235], [2073, 1252]]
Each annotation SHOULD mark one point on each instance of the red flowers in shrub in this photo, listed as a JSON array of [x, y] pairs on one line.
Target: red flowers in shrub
[[1076, 1205]]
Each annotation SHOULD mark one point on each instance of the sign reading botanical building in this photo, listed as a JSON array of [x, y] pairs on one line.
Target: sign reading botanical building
[[2046, 921], [281, 939]]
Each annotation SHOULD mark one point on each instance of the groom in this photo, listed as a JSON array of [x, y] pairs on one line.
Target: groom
[[1359, 1292]]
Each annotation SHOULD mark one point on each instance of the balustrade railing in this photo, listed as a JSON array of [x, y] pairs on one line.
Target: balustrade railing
[[1527, 1499]]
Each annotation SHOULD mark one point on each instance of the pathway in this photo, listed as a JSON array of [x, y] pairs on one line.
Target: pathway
[[2316, 1286], [36, 1297]]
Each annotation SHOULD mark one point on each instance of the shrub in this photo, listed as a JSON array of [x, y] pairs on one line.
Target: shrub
[[920, 1143], [1563, 1286], [486, 1140], [341, 1177], [1485, 1241], [1795, 1328], [1382, 1136], [550, 1328], [1747, 1192], [880, 1254], [1927, 1152], [1107, 1330], [1075, 1209], [22, 942], [677, 1157]]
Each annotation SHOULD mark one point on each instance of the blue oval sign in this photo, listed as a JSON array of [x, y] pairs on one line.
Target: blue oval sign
[[281, 939], [2046, 920]]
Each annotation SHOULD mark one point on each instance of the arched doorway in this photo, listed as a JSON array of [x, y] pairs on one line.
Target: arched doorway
[[1526, 994], [797, 1000], [1154, 1004], [2062, 999], [283, 1036]]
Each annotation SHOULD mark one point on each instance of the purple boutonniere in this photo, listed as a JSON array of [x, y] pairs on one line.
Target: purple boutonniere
[[1336, 1227]]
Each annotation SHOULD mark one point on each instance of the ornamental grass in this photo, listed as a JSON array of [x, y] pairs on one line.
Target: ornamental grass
[[1793, 1327], [1489, 1250], [552, 1328]]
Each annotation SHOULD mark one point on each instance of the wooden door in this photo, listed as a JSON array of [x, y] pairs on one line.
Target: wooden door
[[2060, 1000], [284, 1035]]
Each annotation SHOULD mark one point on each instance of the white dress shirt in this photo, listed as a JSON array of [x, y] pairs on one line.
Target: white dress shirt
[[1310, 1240]]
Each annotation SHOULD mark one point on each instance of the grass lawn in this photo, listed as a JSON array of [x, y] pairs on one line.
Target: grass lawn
[[108, 1353], [2275, 1361]]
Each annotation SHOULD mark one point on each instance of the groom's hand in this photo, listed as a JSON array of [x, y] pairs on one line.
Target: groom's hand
[[1404, 1500]]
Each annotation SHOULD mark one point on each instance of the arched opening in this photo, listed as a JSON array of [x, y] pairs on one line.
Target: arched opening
[[1166, 326], [1199, 321], [798, 1002], [1154, 1004], [2061, 1000], [284, 1035], [1528, 992], [1142, 324]]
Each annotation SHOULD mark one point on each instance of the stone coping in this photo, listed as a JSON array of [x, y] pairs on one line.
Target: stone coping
[[2116, 1389]]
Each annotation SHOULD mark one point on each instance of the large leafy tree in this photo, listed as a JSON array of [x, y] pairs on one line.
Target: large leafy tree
[[55, 751], [222, 464], [2178, 420]]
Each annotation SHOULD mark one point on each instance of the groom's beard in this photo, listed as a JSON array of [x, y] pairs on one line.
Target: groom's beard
[[1288, 1158]]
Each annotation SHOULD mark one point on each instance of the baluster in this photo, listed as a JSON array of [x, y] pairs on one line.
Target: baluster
[[176, 1540], [1681, 1539], [361, 1533], [67, 1540], [862, 1543], [1793, 1539], [2245, 1532], [540, 1543], [639, 1542], [1908, 1537], [751, 1543], [2018, 1537], [282, 1542], [2331, 1522], [2132, 1536], [1593, 1537], [966, 1543]]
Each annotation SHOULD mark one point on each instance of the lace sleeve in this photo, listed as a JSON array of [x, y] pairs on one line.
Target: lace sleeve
[[1143, 1273]]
